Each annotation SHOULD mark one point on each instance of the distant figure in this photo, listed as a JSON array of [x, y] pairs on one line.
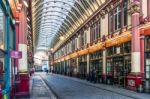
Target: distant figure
[[47, 71]]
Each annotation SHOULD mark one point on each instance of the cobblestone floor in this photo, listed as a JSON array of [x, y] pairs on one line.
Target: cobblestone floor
[[68, 88]]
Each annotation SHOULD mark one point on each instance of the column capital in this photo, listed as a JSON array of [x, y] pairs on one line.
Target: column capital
[[134, 7]]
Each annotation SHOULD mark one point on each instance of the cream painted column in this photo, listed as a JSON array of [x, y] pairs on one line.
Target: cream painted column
[[135, 55], [104, 31], [77, 64], [104, 62], [88, 55], [88, 63], [22, 42], [23, 61], [77, 57]]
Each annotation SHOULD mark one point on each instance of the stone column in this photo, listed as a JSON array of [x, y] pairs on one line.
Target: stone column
[[135, 68], [88, 55], [104, 62], [104, 66], [77, 59], [88, 63], [134, 79], [22, 42]]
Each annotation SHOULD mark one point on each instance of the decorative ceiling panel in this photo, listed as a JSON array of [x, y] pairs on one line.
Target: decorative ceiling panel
[[55, 18]]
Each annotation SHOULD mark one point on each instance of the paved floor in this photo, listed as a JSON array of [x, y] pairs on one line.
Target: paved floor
[[39, 90], [72, 88]]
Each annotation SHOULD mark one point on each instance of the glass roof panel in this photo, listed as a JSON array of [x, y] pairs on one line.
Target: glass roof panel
[[53, 14]]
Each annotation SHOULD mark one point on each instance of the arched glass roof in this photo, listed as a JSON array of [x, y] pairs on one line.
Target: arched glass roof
[[54, 18]]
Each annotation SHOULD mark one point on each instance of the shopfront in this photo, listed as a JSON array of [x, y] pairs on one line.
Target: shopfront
[[147, 63], [2, 48], [74, 66], [96, 63], [7, 43], [109, 66], [118, 64], [83, 66]]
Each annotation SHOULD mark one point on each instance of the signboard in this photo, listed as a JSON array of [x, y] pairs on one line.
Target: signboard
[[16, 54], [131, 82]]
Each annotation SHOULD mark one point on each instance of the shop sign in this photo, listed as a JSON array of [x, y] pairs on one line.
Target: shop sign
[[16, 54], [131, 82]]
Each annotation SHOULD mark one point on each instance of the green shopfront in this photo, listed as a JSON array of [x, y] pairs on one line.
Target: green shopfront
[[7, 43]]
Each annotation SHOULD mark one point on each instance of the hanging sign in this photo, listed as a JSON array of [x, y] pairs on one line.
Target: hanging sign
[[16, 54]]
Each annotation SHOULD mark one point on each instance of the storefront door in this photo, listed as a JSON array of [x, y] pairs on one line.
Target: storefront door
[[118, 70]]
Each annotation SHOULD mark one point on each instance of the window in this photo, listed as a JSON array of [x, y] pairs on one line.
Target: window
[[95, 31], [2, 22], [118, 17], [82, 38], [125, 11]]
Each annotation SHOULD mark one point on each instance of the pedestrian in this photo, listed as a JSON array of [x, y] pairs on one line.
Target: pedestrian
[[47, 71]]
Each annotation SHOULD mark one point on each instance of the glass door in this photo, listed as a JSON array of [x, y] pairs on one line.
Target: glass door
[[118, 70], [127, 69], [147, 67]]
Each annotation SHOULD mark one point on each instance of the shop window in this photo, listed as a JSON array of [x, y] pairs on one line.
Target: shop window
[[127, 47], [118, 49], [147, 44], [96, 55], [147, 67], [2, 27], [2, 47], [118, 17], [110, 51], [109, 67]]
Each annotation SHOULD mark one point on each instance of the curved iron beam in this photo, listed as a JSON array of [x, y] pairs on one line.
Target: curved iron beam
[[66, 15], [73, 14], [64, 28], [50, 19], [87, 14], [53, 15]]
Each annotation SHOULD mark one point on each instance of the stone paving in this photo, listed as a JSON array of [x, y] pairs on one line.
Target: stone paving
[[73, 88], [39, 90]]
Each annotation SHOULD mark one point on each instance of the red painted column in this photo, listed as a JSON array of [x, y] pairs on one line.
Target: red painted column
[[148, 10], [135, 68], [134, 79], [23, 76], [142, 54]]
